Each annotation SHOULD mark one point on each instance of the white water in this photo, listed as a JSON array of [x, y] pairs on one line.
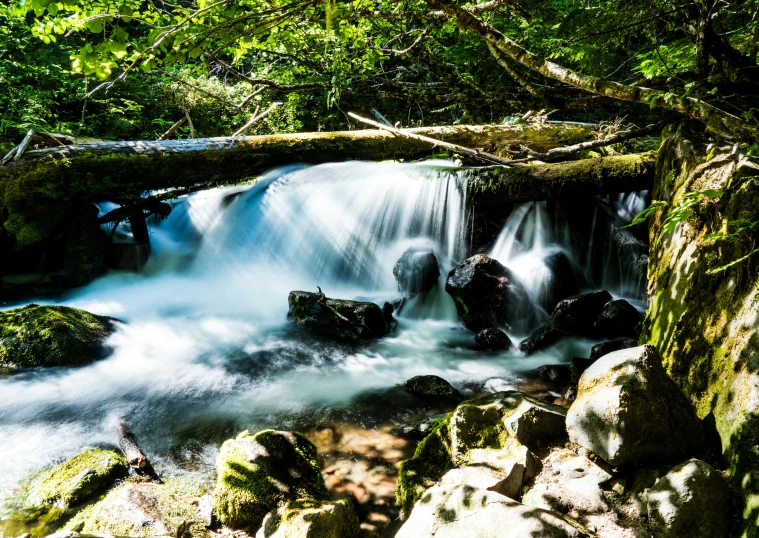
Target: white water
[[205, 349]]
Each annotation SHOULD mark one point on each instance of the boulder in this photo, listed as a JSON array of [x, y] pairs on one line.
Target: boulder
[[487, 295], [628, 409], [691, 501], [432, 387], [557, 373], [36, 335], [256, 473], [454, 511], [337, 318], [506, 480], [492, 338], [311, 519], [604, 348], [561, 283], [416, 271], [76, 479], [487, 422], [573, 316], [145, 509], [618, 319]]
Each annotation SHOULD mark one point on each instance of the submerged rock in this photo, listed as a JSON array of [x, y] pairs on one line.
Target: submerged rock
[[455, 511], [618, 319], [692, 500], [342, 319], [145, 509], [52, 336], [432, 386], [416, 271], [487, 294], [256, 473], [76, 479], [311, 519], [573, 316], [492, 338], [628, 409]]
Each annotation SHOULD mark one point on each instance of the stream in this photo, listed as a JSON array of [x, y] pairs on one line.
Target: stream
[[204, 349]]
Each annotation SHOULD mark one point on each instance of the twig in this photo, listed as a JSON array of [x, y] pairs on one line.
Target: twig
[[613, 139], [173, 128], [256, 118], [23, 145], [483, 156]]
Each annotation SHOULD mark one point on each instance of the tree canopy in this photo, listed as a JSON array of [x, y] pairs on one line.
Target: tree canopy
[[419, 61]]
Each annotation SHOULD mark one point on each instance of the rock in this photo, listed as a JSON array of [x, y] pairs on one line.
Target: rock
[[692, 501], [432, 387], [492, 338], [618, 319], [76, 479], [569, 483], [84, 247], [578, 366], [604, 348], [146, 509], [486, 422], [458, 511], [554, 372], [506, 480], [628, 410], [128, 256], [416, 271], [487, 294], [311, 519], [573, 316], [36, 335], [420, 428], [256, 473], [562, 282], [346, 320]]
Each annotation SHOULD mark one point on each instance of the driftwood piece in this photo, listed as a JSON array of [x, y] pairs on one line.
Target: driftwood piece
[[481, 155], [23, 145], [135, 456]]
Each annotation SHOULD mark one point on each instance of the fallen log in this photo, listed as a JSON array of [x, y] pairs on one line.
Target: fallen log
[[136, 458]]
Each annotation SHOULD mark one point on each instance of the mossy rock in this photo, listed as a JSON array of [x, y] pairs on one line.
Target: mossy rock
[[311, 519], [259, 472], [144, 509], [432, 387], [430, 462], [76, 479], [35, 336], [337, 318]]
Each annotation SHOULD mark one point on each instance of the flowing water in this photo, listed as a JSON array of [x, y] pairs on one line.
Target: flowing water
[[205, 350]]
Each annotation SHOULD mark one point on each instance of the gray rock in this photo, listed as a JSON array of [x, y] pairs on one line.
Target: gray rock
[[505, 479], [691, 501], [311, 519], [416, 271], [628, 409], [458, 511], [487, 294]]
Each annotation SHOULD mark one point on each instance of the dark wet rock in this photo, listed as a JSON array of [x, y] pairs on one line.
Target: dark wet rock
[[487, 294], [492, 338], [416, 271], [574, 316], [337, 318], [618, 319], [632, 252], [76, 479], [433, 387], [562, 282], [628, 410], [36, 335], [311, 519], [257, 473], [578, 366], [84, 247], [455, 511], [604, 348], [692, 500], [557, 373]]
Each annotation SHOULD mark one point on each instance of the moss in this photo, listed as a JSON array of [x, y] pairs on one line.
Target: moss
[[313, 519], [38, 522], [51, 336], [258, 472], [76, 479], [431, 460]]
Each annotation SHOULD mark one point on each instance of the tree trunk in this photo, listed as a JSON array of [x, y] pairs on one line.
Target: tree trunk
[[714, 118]]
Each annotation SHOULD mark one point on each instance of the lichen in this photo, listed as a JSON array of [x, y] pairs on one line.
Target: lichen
[[36, 335]]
